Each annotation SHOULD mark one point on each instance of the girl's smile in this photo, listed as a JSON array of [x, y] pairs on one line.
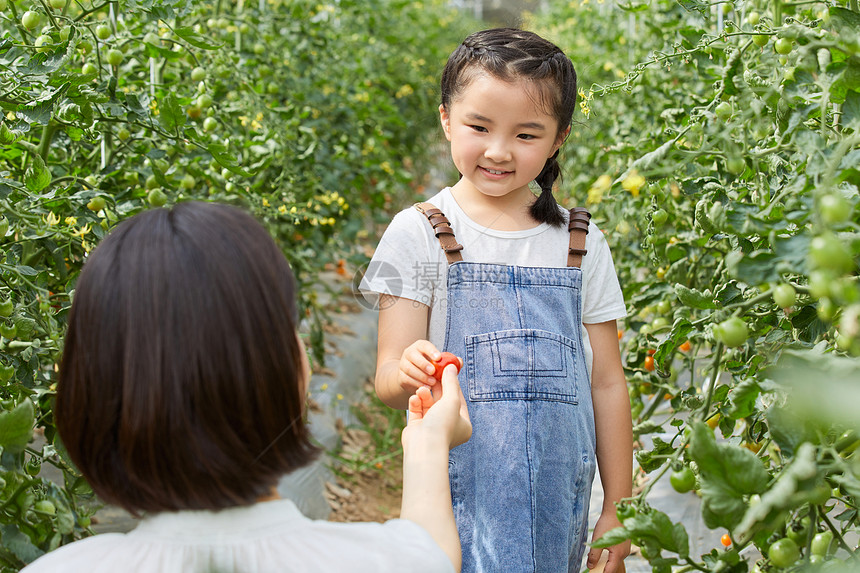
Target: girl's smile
[[500, 138]]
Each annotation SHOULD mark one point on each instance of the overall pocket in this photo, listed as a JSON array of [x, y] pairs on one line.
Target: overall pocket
[[521, 364]]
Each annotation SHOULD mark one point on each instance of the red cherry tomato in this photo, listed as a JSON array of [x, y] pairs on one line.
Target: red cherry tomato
[[726, 540], [444, 360]]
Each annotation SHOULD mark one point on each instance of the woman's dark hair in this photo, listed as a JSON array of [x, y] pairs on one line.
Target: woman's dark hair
[[181, 381], [510, 54]]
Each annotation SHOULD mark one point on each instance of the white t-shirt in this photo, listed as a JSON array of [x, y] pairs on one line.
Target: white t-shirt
[[410, 263], [270, 536]]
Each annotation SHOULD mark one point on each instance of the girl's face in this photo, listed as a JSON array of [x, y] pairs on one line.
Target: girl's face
[[500, 137]]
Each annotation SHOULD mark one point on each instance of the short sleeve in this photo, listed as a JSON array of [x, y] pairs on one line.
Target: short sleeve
[[603, 299], [404, 265]]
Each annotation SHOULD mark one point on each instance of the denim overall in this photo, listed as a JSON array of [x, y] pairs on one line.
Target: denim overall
[[522, 484]]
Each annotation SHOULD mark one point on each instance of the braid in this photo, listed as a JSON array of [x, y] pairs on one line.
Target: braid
[[545, 208]]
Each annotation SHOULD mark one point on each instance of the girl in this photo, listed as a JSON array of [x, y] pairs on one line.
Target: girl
[[542, 376], [181, 397]]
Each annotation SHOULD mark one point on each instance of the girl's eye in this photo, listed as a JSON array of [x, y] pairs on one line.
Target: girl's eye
[[526, 136], [479, 128]]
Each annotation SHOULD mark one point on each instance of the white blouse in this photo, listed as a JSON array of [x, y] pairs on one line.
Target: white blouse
[[266, 537]]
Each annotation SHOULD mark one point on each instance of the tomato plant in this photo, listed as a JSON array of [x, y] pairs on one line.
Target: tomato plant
[[312, 116], [743, 126]]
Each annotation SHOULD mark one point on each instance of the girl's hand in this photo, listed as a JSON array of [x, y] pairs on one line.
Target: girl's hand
[[442, 412], [416, 366], [617, 553]]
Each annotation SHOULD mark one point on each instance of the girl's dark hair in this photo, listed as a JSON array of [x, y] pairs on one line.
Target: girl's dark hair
[[510, 54], [181, 381]]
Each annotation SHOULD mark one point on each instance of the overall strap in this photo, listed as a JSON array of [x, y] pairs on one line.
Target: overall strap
[[442, 228], [578, 228]]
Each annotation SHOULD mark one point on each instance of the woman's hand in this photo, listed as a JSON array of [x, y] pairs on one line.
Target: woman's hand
[[441, 411]]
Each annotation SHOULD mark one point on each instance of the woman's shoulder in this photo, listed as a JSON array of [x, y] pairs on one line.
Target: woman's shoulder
[[80, 556]]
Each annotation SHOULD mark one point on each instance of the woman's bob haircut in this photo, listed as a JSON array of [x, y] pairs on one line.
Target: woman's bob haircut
[[181, 380]]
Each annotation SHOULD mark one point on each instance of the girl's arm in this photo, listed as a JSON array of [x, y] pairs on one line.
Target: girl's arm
[[404, 356], [436, 424], [614, 431]]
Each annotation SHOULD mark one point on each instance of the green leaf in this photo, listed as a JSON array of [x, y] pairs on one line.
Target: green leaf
[[727, 474], [680, 332], [743, 398], [37, 176], [195, 39], [219, 153], [16, 427], [693, 298], [851, 111], [19, 544], [171, 115], [612, 537]]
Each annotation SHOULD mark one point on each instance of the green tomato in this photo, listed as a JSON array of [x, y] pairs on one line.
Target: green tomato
[[114, 57], [823, 544], [783, 552], [753, 18], [783, 46], [157, 198], [826, 309], [103, 32], [96, 204], [198, 74], [6, 307], [798, 531], [723, 111], [123, 134], [660, 216], [784, 295], [835, 208], [89, 69], [732, 332], [204, 101], [760, 40], [829, 253], [3, 5], [210, 124], [664, 307], [683, 480], [6, 372], [57, 4], [85, 47], [46, 507], [30, 19], [188, 182], [43, 43], [8, 330], [735, 165]]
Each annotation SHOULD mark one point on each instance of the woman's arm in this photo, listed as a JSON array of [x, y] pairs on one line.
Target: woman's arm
[[436, 424], [614, 431], [404, 356]]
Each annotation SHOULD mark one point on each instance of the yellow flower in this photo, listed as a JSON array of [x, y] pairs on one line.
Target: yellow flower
[[324, 386], [602, 183], [82, 231], [386, 166], [71, 221], [282, 209], [265, 202], [404, 91], [52, 219], [633, 182]]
